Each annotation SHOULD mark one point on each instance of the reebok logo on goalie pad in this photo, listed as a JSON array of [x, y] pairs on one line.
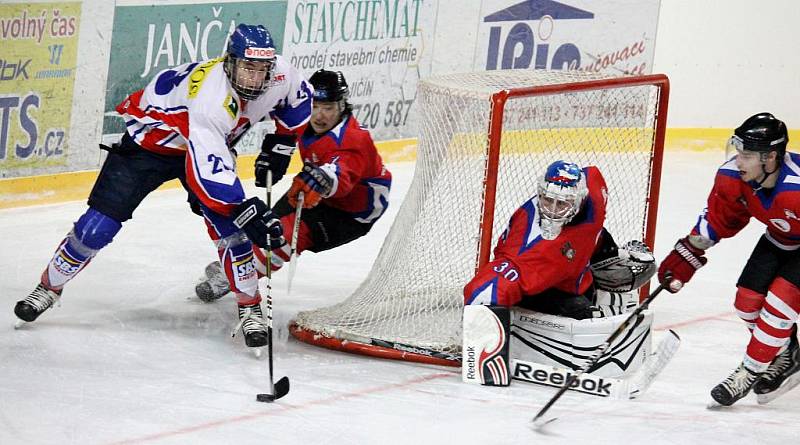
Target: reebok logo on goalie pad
[[531, 372], [470, 363]]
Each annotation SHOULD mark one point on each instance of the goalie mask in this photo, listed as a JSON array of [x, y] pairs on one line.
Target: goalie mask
[[250, 60], [561, 192]]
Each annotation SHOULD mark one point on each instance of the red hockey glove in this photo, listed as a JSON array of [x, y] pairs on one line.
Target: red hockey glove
[[680, 265], [315, 184]]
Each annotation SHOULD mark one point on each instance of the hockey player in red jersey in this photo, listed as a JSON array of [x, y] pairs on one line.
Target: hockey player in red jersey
[[184, 125], [345, 184], [541, 261], [761, 181]]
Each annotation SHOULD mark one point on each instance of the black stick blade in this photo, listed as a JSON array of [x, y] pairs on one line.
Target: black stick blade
[[281, 389]]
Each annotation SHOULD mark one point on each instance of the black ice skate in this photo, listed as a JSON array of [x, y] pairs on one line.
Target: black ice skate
[[782, 367], [253, 325], [40, 300], [736, 386], [215, 286]]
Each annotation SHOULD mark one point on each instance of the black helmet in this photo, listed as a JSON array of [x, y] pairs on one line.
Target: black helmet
[[329, 86], [763, 133]]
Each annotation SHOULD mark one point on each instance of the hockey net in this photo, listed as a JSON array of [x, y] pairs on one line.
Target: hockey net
[[484, 141]]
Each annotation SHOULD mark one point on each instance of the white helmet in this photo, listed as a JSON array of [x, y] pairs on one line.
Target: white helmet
[[561, 190]]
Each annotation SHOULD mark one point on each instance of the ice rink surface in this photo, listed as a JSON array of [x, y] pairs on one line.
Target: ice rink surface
[[132, 357]]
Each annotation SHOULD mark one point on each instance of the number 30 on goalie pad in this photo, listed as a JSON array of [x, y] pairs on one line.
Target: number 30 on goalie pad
[[485, 345]]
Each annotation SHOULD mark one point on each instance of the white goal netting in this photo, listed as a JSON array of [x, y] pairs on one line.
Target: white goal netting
[[412, 298]]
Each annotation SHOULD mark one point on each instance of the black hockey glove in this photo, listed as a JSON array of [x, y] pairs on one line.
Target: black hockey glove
[[276, 152], [259, 224]]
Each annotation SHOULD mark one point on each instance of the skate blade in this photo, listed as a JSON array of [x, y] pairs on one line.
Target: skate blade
[[19, 324], [714, 405], [785, 387], [258, 353]]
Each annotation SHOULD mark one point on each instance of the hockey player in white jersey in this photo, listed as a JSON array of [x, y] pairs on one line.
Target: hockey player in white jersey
[[184, 125]]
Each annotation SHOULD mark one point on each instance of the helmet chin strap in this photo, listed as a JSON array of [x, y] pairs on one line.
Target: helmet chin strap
[[759, 184]]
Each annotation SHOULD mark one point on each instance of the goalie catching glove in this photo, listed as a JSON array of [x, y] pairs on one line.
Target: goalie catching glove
[[314, 182], [628, 270], [681, 264], [260, 225], [276, 152]]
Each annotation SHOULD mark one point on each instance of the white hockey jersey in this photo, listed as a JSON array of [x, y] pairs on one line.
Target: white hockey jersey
[[192, 110]]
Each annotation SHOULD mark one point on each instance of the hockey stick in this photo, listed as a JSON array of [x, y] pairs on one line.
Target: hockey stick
[[538, 419], [280, 389], [293, 257]]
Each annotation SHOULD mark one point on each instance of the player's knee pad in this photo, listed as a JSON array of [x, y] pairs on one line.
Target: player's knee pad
[[568, 343], [92, 232], [748, 304], [783, 298]]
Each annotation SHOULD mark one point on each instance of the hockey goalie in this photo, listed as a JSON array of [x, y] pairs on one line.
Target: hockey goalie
[[558, 286]]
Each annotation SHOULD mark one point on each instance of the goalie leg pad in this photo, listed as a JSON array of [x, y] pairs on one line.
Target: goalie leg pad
[[609, 304], [485, 345], [567, 343]]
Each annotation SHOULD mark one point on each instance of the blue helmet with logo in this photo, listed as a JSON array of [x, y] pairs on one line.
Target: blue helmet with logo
[[561, 192], [250, 60]]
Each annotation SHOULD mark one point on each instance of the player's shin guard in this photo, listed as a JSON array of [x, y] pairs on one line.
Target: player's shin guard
[[91, 232], [485, 345], [748, 305], [236, 258], [777, 328], [774, 326]]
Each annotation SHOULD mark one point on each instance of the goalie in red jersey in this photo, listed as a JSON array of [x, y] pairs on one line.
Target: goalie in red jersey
[[548, 259], [343, 180], [760, 180]]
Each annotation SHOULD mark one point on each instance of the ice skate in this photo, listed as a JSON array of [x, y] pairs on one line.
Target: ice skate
[[253, 325], [736, 386], [780, 372], [37, 302], [215, 285]]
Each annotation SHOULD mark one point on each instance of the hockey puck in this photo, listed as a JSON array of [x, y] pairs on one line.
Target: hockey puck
[[265, 398]]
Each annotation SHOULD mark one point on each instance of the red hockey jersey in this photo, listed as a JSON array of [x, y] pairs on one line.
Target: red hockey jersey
[[525, 264], [732, 202], [361, 182]]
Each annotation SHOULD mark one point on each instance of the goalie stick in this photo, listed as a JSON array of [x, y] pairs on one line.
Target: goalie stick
[[538, 419], [632, 387], [293, 257], [281, 388]]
